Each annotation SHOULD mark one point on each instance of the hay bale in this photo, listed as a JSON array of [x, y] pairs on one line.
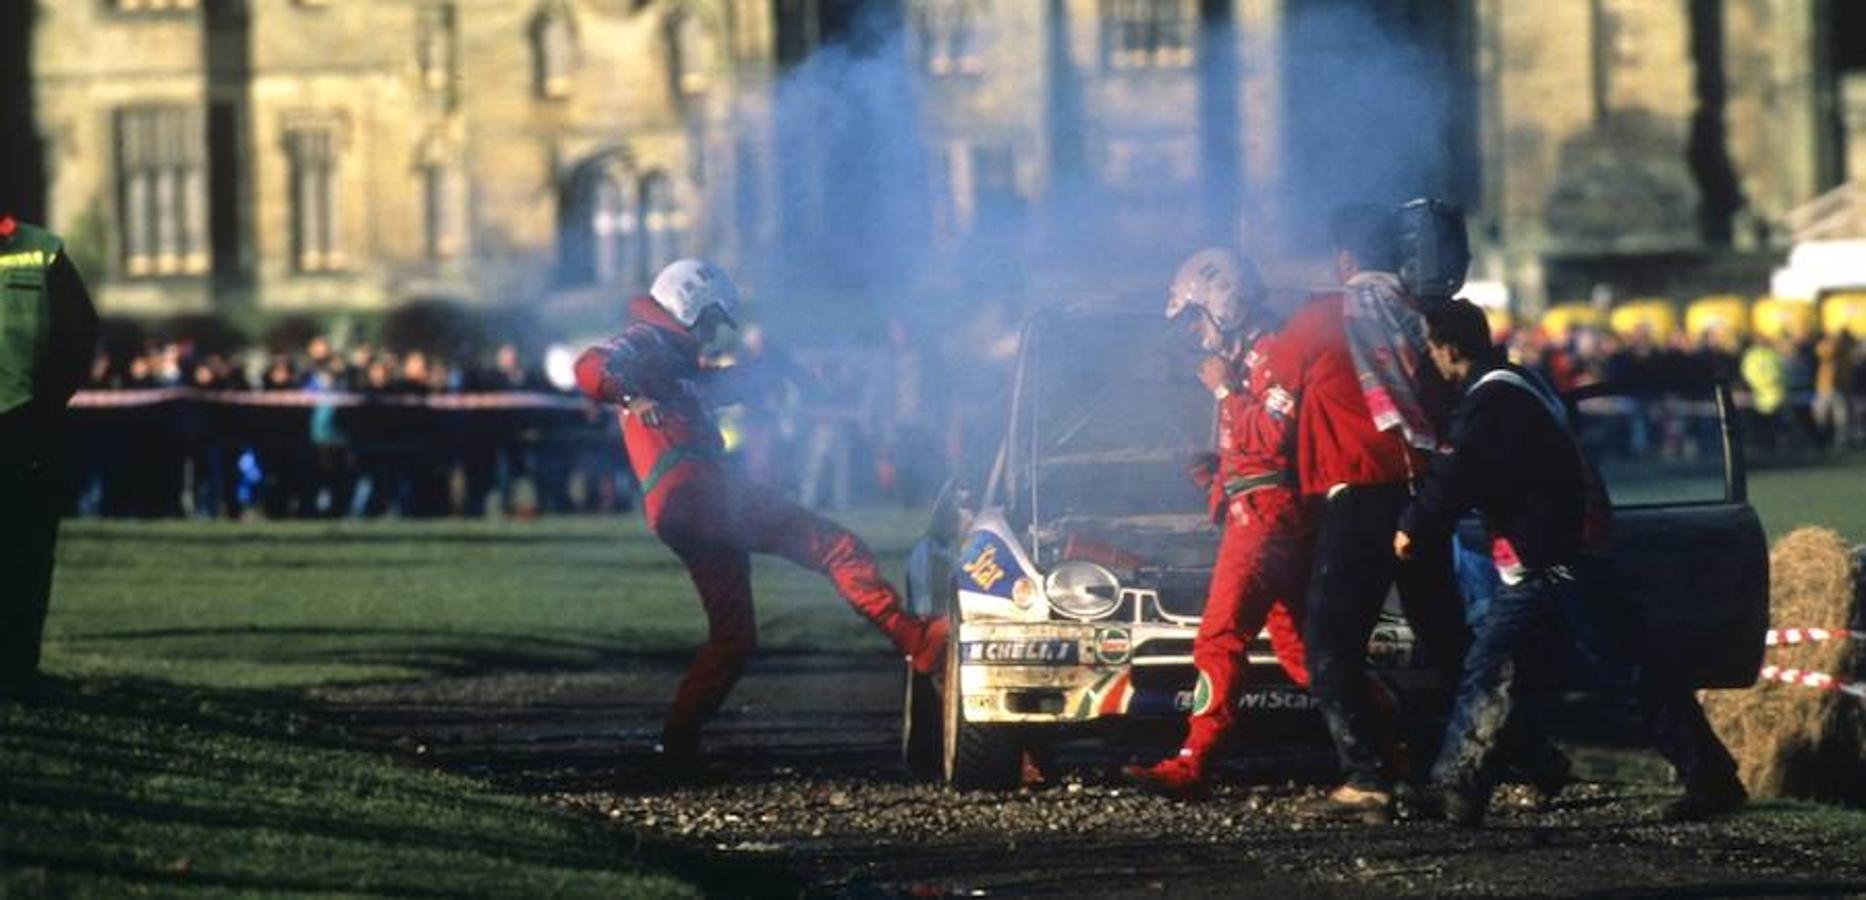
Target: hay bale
[[1794, 741]]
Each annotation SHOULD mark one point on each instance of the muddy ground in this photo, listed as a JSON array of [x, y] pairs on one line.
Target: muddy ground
[[814, 801]]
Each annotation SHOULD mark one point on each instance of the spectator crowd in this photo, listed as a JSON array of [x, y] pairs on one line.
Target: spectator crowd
[[335, 431], [360, 431], [1796, 393]]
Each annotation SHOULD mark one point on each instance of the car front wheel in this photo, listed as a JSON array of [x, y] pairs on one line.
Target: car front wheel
[[976, 756]]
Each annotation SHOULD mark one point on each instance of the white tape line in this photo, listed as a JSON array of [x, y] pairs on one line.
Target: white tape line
[[309, 399], [1781, 636], [1820, 681]]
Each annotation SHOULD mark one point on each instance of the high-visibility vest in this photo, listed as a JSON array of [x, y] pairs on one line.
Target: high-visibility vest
[[25, 311]]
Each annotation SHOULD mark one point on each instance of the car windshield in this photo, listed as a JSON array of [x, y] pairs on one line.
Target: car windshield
[[1114, 417]]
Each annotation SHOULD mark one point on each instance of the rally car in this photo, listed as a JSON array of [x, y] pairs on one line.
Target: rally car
[[1073, 556]]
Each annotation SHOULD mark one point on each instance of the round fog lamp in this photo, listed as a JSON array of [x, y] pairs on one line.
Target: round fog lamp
[[1082, 590]]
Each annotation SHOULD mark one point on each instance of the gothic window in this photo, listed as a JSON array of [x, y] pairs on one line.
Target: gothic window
[[434, 46], [695, 56], [981, 187], [316, 216], [553, 47], [1147, 33], [443, 195], [663, 226], [751, 30], [162, 180], [947, 36], [599, 238]]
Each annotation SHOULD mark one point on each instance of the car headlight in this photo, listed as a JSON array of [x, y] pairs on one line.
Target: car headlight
[[1082, 590]]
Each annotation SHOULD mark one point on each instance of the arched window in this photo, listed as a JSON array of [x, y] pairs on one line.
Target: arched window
[[600, 225], [1148, 34], [443, 200], [553, 48], [695, 53], [948, 35], [434, 46], [663, 225]]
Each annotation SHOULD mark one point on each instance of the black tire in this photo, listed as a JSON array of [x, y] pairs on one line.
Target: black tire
[[975, 757], [922, 721]]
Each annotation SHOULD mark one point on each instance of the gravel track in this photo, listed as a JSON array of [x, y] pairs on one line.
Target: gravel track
[[812, 798]]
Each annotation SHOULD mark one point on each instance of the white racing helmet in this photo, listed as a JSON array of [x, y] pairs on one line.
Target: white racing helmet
[[687, 287], [1222, 283]]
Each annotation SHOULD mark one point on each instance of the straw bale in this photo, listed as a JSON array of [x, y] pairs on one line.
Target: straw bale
[[1794, 741]]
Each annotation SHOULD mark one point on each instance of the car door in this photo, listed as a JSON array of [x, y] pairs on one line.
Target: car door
[[1687, 546]]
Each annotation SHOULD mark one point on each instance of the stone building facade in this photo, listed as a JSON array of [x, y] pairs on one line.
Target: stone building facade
[[273, 155]]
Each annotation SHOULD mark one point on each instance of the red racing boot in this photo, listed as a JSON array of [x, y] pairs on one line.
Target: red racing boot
[[1180, 777]]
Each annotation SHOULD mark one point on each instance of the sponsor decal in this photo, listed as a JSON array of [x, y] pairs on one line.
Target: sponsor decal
[[987, 565], [1113, 646], [1202, 695], [1019, 653], [1277, 699]]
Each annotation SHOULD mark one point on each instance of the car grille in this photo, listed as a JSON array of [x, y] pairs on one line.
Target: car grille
[[1178, 595]]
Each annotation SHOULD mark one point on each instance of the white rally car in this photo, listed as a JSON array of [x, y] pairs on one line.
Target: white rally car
[[1075, 563], [1073, 556]]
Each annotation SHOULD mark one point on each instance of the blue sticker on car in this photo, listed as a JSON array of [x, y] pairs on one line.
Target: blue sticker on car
[[986, 565]]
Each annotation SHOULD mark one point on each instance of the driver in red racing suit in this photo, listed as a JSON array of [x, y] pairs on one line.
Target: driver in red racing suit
[[1262, 568], [711, 517]]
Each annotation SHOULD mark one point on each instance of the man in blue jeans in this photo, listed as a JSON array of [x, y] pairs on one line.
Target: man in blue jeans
[[1514, 460]]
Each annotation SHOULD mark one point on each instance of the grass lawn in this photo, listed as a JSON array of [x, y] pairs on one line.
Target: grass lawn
[[121, 788], [170, 760], [1830, 494]]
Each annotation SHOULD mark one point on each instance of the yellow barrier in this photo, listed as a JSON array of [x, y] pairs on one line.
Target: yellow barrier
[[1501, 322], [1775, 318], [1845, 311], [1652, 315], [1727, 314], [1562, 318]]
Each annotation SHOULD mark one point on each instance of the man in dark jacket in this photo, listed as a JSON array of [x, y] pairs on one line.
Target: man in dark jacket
[[1513, 459], [48, 330]]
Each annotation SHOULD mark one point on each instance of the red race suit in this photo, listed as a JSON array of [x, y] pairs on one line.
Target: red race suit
[[1262, 570], [1336, 440], [713, 518]]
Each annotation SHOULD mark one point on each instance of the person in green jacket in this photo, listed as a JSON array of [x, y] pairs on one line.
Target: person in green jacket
[[48, 329], [1765, 372]]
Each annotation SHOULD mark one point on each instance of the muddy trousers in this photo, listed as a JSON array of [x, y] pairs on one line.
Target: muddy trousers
[[1257, 583], [713, 522], [31, 501], [1523, 620], [1353, 569]]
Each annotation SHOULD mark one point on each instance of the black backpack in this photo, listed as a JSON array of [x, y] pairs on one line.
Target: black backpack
[[1434, 249]]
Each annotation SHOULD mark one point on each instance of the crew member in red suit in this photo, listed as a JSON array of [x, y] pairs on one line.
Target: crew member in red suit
[[1353, 361], [1262, 568], [709, 516]]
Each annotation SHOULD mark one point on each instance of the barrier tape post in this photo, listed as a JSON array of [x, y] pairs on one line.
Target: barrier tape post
[[1820, 681], [1776, 637]]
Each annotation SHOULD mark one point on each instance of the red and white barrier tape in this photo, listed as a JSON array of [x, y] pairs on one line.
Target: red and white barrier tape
[[1818, 680], [1775, 637], [308, 399]]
